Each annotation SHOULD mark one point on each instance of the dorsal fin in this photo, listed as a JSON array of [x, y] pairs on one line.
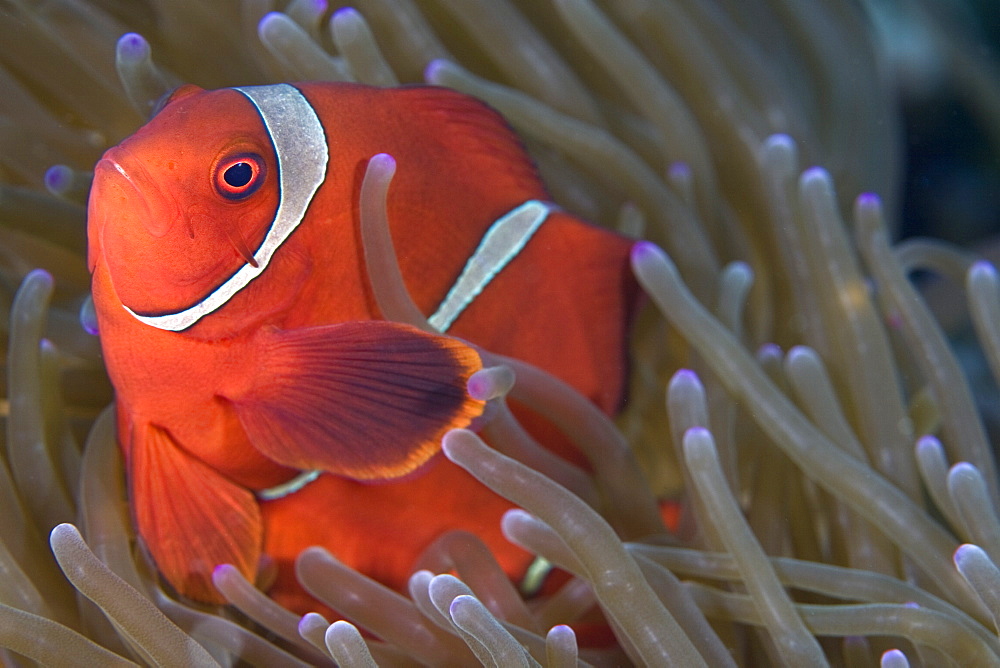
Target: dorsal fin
[[476, 129]]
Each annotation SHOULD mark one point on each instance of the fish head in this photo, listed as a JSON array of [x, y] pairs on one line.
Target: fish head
[[183, 203]]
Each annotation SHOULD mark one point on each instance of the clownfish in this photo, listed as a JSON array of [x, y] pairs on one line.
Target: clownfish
[[263, 404]]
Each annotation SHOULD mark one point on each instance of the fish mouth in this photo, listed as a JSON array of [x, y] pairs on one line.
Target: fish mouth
[[127, 215], [122, 182]]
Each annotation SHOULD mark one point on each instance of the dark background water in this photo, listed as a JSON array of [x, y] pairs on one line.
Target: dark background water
[[952, 188]]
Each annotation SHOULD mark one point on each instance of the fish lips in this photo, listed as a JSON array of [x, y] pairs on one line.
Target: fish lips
[[128, 213], [124, 186]]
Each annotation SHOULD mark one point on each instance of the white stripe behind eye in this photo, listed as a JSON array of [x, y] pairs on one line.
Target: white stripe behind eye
[[501, 244], [302, 155]]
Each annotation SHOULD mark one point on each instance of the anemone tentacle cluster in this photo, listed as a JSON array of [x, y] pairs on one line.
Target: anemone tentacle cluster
[[790, 385]]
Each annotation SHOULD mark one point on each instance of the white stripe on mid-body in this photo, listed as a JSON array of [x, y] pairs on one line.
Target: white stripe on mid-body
[[501, 244], [289, 487], [302, 155]]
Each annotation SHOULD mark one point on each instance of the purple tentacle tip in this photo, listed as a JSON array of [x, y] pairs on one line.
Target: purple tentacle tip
[[698, 432], [869, 200], [982, 270], [433, 69], [382, 161], [345, 12], [686, 376], [966, 552], [680, 170], [780, 140], [132, 46], [479, 387], [269, 21], [815, 174], [58, 179], [39, 275], [769, 350], [88, 317], [644, 251]]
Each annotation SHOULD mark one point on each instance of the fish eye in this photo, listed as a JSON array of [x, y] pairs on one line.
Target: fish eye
[[239, 176]]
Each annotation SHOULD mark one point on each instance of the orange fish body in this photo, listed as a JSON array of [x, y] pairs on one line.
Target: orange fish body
[[245, 345]]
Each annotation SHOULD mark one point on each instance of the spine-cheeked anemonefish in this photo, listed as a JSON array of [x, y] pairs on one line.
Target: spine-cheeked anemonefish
[[263, 405]]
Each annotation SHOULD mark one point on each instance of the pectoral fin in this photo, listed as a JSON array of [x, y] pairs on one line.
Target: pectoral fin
[[368, 400], [191, 518]]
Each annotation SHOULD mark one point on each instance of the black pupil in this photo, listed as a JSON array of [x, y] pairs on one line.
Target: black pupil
[[238, 175]]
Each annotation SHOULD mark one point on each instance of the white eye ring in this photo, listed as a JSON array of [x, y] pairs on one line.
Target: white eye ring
[[239, 176]]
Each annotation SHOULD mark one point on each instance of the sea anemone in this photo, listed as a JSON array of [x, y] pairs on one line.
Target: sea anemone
[[839, 492]]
